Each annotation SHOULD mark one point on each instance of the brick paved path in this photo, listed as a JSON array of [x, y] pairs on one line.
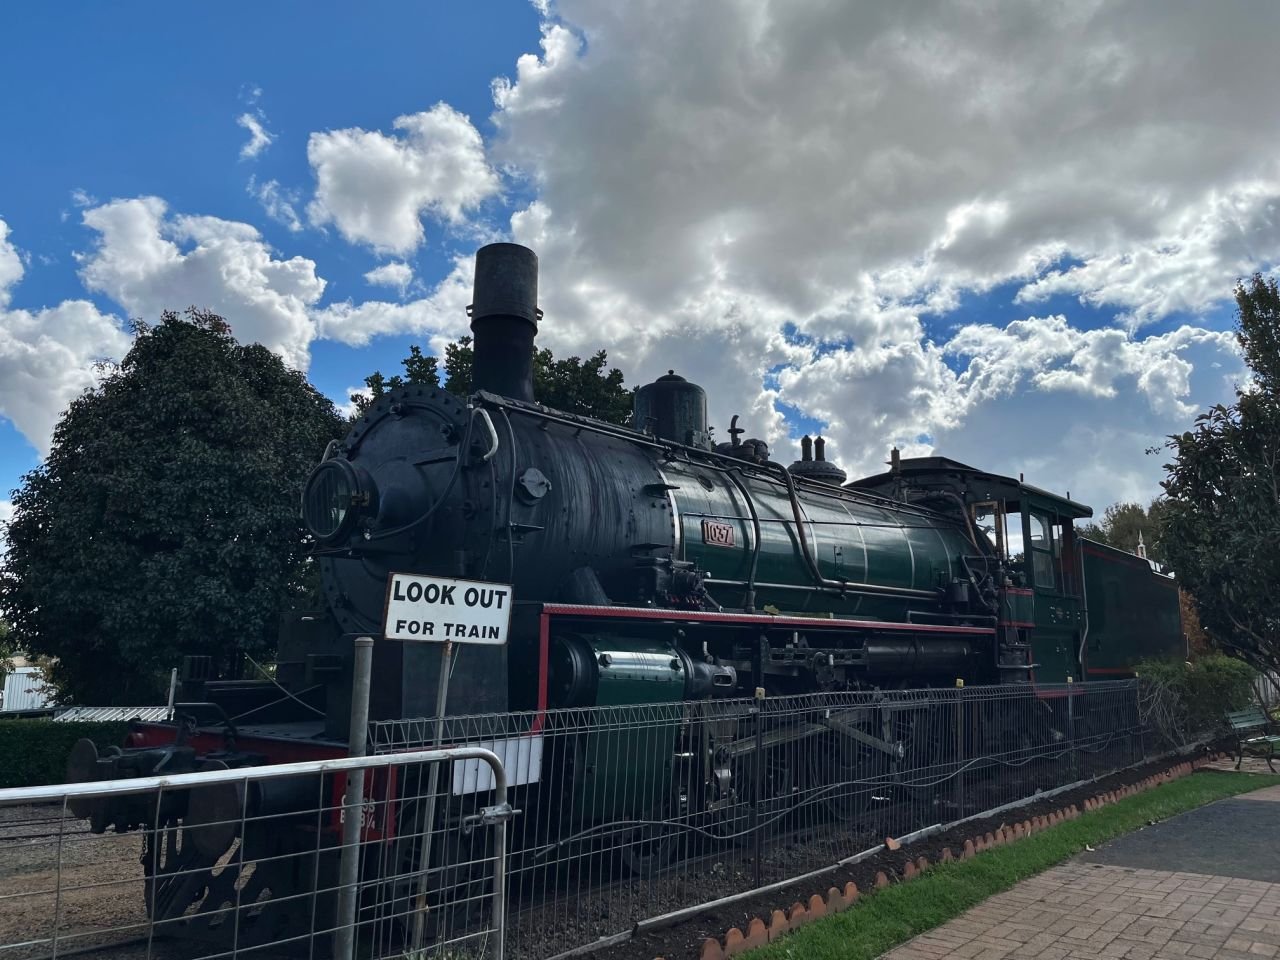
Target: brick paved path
[[1090, 910]]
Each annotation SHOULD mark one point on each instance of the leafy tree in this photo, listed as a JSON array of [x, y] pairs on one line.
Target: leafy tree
[[1199, 643], [573, 385], [1123, 522], [7, 648], [1222, 519], [165, 521]]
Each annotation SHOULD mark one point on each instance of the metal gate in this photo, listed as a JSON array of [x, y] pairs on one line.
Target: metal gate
[[265, 861]]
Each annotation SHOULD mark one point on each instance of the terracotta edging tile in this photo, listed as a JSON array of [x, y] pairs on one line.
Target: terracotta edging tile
[[836, 900]]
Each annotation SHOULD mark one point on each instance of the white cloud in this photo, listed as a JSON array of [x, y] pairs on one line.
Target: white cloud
[[397, 275], [1073, 409], [11, 268], [1202, 249], [47, 356], [743, 184], [149, 261], [347, 406], [1052, 355], [441, 313], [277, 201], [259, 137], [376, 187]]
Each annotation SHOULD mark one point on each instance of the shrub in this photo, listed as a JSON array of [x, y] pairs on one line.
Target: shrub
[[1183, 701], [35, 752]]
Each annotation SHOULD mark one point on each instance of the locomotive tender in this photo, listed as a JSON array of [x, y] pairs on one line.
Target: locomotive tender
[[650, 565]]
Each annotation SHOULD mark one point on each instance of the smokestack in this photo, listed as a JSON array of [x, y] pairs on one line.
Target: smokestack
[[504, 319], [820, 450], [806, 448]]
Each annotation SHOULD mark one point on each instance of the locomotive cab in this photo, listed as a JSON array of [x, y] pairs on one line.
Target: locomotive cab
[[1042, 611]]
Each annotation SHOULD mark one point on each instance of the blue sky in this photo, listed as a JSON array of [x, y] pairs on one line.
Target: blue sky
[[145, 102], [995, 240]]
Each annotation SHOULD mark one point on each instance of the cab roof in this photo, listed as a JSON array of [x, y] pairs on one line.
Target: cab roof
[[972, 485]]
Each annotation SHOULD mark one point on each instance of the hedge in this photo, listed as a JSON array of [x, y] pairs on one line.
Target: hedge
[[34, 752], [1186, 700]]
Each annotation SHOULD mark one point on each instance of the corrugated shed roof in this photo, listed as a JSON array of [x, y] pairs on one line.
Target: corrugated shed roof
[[25, 689], [114, 713]]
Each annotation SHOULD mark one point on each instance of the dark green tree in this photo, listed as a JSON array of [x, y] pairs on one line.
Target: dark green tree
[[574, 385], [1222, 515], [165, 519], [7, 648], [1123, 522]]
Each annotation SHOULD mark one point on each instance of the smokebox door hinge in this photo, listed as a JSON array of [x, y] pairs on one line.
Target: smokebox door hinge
[[658, 489]]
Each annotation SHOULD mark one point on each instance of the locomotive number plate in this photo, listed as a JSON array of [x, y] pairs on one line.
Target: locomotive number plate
[[717, 534]]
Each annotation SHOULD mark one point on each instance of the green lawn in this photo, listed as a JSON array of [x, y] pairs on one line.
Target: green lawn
[[884, 919]]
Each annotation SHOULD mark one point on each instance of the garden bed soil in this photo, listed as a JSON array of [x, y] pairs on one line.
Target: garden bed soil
[[684, 939]]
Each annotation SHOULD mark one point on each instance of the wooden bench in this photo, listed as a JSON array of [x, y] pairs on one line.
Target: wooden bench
[[1244, 721]]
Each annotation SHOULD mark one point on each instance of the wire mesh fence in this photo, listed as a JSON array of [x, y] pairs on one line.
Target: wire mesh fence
[[621, 814], [248, 862], [629, 812]]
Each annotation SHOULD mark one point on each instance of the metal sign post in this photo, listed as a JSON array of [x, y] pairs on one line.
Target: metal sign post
[[446, 611], [353, 802]]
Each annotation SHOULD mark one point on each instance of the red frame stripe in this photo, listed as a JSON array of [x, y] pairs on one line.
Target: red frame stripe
[[747, 619]]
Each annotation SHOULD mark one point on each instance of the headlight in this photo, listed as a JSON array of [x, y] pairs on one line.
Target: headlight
[[331, 500]]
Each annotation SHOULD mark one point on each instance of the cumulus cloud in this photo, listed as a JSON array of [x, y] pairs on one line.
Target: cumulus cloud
[[347, 405], [11, 268], [1199, 251], [259, 137], [442, 313], [375, 188], [1073, 409], [47, 356], [397, 275], [148, 260], [1052, 355], [809, 191]]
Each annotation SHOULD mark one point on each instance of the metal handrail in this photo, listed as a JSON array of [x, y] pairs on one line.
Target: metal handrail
[[97, 788]]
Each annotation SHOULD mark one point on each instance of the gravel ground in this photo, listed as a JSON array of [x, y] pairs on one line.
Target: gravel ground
[[553, 914], [101, 888], [684, 939]]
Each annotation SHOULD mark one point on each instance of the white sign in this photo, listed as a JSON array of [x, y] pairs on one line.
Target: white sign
[[437, 609], [521, 758]]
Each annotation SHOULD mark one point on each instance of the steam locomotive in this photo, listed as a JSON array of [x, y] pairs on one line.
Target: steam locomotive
[[649, 564]]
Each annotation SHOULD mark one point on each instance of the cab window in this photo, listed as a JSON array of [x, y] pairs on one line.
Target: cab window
[[989, 522], [1043, 547]]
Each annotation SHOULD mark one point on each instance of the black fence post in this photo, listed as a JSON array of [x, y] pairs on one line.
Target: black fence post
[[757, 840], [1138, 731], [1071, 728], [959, 753], [757, 708]]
